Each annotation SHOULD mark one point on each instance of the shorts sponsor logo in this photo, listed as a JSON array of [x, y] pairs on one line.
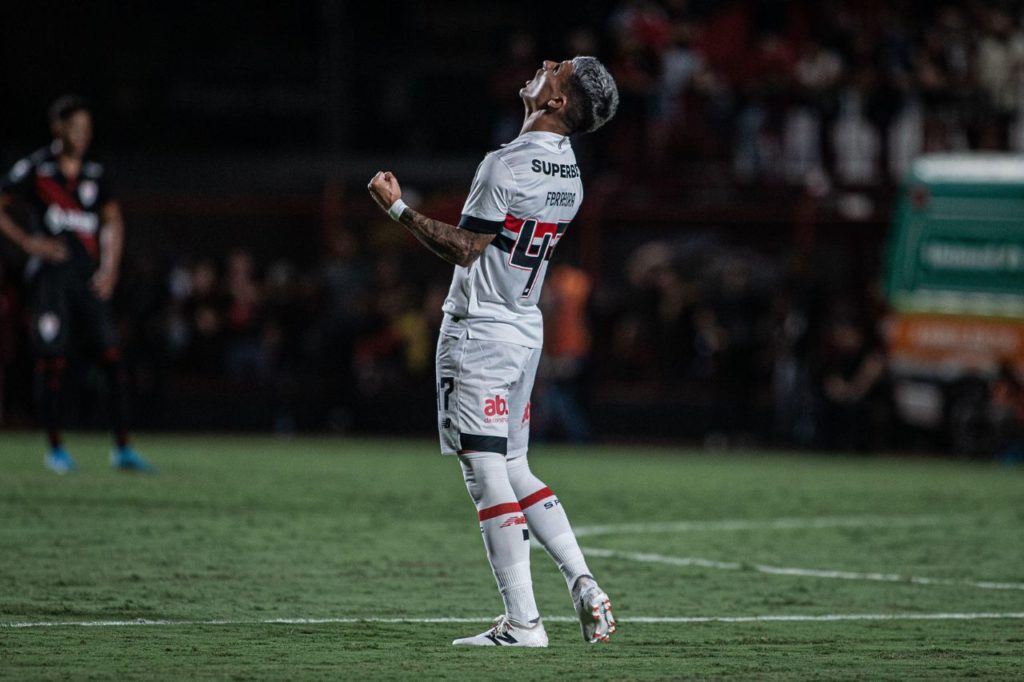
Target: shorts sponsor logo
[[495, 409], [49, 326], [526, 412]]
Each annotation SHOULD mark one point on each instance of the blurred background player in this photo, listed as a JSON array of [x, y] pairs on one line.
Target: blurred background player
[[73, 233], [521, 202]]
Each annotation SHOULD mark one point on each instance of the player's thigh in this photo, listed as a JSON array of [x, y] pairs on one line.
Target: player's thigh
[[94, 318], [473, 382], [519, 406], [50, 314]]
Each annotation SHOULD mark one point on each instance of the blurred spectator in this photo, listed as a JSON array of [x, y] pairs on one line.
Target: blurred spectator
[[345, 281], [1000, 64], [380, 352], [681, 64], [795, 353], [142, 299], [8, 332], [243, 318], [848, 89], [855, 402], [856, 142], [557, 408], [1007, 414], [281, 342], [204, 307], [737, 312], [640, 31]]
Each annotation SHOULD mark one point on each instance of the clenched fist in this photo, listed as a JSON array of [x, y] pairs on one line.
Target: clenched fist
[[384, 189]]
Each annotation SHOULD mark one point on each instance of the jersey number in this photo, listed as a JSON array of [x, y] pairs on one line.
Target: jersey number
[[536, 244], [444, 391]]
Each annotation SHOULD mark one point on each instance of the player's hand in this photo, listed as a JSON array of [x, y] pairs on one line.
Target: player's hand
[[47, 248], [103, 283], [384, 189]]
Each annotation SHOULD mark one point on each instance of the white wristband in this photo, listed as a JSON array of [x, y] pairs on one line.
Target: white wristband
[[396, 209]]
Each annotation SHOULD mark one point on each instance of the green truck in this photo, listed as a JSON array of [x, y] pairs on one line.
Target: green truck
[[955, 288]]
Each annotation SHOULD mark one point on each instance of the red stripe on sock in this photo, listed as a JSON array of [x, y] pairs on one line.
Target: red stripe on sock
[[498, 510], [542, 494]]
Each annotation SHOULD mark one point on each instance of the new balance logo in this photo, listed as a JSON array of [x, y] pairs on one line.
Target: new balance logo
[[502, 640], [496, 407], [514, 521]]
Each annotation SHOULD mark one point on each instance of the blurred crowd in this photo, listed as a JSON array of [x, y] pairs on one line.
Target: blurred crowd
[[758, 349], [711, 342], [717, 341], [832, 92]]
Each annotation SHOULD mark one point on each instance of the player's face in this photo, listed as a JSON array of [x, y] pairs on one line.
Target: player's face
[[76, 133], [550, 81]]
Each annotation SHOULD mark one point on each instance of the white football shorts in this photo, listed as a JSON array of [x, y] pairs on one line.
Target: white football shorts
[[483, 395]]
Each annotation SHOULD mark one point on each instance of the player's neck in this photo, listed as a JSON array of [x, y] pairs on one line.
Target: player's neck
[[542, 121], [70, 166]]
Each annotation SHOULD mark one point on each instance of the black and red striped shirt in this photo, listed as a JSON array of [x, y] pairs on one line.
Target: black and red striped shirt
[[62, 207]]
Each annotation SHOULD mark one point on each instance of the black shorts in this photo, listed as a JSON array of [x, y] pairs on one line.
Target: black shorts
[[64, 309]]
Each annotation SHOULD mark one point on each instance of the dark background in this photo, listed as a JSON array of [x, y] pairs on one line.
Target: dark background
[[262, 290]]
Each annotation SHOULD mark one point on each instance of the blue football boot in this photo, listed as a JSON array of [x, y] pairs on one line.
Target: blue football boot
[[126, 459], [59, 460]]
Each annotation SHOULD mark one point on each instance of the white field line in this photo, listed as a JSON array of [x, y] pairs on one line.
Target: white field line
[[801, 572], [794, 618], [784, 523]]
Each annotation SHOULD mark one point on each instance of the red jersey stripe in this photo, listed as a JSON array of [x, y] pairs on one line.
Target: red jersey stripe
[[513, 224], [532, 499], [52, 193], [499, 510]]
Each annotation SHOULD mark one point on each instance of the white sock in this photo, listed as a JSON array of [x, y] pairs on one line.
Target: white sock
[[548, 521], [516, 587], [504, 529]]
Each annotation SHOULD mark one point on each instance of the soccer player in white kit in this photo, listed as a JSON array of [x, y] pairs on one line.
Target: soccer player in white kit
[[522, 199]]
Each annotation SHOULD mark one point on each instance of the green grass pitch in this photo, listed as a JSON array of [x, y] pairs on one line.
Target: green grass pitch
[[235, 532]]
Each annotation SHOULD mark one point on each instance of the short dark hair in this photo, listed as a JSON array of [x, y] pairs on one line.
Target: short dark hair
[[65, 106], [594, 96]]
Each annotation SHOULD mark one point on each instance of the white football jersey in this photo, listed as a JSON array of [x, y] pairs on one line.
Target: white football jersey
[[526, 193]]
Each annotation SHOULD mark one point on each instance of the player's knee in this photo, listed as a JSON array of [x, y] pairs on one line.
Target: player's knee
[[486, 478], [523, 481]]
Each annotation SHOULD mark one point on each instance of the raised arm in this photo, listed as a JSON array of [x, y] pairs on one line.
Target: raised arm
[[459, 247]]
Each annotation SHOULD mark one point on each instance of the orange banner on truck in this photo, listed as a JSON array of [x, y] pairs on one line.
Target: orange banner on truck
[[969, 342]]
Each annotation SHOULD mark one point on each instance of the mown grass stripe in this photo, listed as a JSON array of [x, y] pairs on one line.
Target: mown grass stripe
[[646, 557], [788, 618]]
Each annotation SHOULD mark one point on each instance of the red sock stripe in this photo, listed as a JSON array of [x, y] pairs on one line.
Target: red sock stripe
[[542, 494], [498, 510]]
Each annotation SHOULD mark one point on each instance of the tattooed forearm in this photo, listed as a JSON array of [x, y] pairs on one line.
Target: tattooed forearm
[[460, 247]]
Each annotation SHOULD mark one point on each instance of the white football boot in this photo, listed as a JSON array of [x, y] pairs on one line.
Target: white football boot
[[594, 610], [507, 633]]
